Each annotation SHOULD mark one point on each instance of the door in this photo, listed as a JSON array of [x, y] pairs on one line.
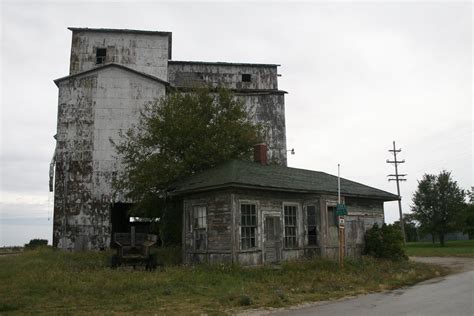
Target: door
[[332, 227], [272, 244]]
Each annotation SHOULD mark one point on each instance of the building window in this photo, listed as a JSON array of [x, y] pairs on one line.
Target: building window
[[332, 220], [290, 226], [100, 56], [248, 226], [199, 227], [312, 217], [246, 77]]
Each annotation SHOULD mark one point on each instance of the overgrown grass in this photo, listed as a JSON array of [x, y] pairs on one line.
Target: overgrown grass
[[462, 248], [60, 283]]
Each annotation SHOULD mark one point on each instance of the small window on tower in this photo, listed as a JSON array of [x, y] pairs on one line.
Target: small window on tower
[[246, 77], [100, 55]]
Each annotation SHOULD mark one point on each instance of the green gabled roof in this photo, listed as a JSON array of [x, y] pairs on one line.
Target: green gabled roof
[[279, 178]]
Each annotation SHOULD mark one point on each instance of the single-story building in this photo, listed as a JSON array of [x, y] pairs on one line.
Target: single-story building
[[254, 213]]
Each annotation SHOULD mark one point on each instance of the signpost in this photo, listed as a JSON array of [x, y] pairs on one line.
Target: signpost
[[340, 212]]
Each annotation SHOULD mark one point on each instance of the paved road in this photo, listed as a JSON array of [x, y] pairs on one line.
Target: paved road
[[451, 295]]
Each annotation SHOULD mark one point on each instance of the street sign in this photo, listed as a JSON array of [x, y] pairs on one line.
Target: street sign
[[341, 220], [341, 210]]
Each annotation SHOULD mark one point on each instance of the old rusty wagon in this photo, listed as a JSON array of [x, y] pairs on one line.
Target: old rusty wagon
[[133, 249]]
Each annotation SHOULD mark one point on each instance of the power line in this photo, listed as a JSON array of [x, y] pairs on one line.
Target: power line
[[397, 177]]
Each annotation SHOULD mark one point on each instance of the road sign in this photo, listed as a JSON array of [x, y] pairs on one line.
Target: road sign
[[341, 220], [341, 210]]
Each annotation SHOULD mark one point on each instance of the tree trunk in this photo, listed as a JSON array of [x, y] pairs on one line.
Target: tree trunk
[[441, 239]]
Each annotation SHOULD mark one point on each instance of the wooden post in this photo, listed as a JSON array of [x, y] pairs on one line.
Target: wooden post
[[340, 220], [342, 241]]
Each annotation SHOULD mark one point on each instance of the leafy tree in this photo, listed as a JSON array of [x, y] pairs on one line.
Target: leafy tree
[[180, 135], [466, 220], [437, 203], [411, 229]]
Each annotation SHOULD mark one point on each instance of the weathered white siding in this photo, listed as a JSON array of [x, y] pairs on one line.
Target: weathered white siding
[[148, 53], [96, 105], [225, 75], [93, 108]]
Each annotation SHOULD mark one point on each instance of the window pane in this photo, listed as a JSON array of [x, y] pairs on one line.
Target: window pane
[[248, 225], [290, 226]]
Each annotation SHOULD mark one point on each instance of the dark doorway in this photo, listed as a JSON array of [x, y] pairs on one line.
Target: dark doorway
[[120, 217]]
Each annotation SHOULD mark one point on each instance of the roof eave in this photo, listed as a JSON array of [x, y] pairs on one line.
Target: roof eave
[[222, 63], [166, 83], [267, 188], [236, 91]]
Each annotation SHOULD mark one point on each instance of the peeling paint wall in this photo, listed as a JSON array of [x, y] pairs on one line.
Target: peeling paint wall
[[93, 109], [141, 52], [261, 97], [269, 110], [199, 74]]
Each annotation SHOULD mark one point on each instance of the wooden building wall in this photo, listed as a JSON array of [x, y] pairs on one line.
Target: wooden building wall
[[223, 230]]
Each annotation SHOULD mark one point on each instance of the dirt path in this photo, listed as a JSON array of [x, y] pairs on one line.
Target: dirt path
[[456, 264]]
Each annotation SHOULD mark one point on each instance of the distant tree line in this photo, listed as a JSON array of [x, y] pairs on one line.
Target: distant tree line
[[439, 208]]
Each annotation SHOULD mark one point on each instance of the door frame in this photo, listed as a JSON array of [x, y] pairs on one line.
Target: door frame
[[278, 220]]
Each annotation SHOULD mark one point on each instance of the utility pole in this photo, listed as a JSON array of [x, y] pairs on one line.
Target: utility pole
[[340, 212], [398, 177]]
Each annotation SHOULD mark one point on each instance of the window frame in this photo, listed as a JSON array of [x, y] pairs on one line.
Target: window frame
[[252, 228], [294, 225], [199, 226], [246, 77], [101, 58], [334, 217], [314, 225]]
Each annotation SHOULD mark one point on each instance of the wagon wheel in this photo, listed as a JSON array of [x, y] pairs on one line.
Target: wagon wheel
[[115, 261], [151, 263]]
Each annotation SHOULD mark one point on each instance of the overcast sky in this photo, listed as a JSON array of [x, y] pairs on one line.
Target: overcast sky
[[359, 75]]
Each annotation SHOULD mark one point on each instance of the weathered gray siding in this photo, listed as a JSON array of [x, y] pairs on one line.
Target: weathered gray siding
[[218, 230], [224, 209], [142, 52]]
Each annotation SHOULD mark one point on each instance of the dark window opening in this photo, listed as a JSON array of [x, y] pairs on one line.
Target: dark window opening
[[312, 216], [100, 55], [246, 77]]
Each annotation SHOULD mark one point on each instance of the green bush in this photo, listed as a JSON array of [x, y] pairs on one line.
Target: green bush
[[35, 243], [385, 242]]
